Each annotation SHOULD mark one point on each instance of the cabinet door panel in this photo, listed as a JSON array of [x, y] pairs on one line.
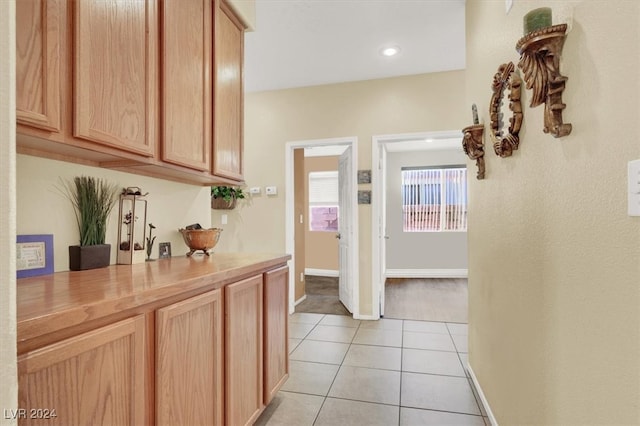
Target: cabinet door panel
[[228, 122], [94, 378], [38, 61], [115, 66], [189, 355], [243, 351], [276, 332], [186, 83]]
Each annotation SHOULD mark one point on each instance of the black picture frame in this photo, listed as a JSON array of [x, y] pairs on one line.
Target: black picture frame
[[364, 176], [164, 250], [364, 197]]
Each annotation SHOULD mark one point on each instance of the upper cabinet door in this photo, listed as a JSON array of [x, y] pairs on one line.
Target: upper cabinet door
[[115, 68], [228, 121], [38, 61], [186, 83]]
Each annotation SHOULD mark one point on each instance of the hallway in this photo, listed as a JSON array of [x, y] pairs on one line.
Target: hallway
[[386, 372]]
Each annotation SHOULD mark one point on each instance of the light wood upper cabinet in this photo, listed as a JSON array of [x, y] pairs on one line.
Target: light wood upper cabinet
[[243, 351], [189, 361], [115, 69], [228, 89], [276, 331], [186, 83], [38, 61], [94, 378]]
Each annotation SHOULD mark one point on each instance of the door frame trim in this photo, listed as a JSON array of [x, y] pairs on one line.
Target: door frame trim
[[378, 166], [351, 141]]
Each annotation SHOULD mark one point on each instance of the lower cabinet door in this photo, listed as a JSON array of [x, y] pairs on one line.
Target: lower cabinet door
[[96, 378], [189, 352], [243, 351], [276, 342]]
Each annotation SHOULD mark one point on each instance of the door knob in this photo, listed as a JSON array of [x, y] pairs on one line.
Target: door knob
[[338, 235]]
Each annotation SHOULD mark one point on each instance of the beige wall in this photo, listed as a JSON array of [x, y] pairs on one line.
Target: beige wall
[[554, 267], [8, 374], [170, 205], [321, 248], [420, 250], [418, 103]]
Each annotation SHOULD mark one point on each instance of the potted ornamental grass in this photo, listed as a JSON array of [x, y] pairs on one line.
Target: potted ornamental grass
[[92, 200], [224, 197]]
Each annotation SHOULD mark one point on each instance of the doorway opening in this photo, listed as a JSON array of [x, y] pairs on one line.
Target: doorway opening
[[399, 256], [340, 230]]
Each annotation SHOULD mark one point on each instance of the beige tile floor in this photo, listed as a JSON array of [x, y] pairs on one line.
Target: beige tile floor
[[387, 372]]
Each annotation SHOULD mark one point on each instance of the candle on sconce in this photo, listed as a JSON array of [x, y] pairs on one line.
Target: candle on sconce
[[474, 111], [536, 19]]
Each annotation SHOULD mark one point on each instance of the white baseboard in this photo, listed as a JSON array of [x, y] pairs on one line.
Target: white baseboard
[[427, 273], [366, 317], [321, 272], [483, 399], [297, 302]]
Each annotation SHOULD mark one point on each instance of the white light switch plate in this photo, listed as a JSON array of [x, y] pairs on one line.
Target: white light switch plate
[[271, 190], [633, 187], [254, 190]]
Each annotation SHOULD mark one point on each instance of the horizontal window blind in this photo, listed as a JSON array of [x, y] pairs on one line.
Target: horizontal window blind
[[323, 188], [434, 199]]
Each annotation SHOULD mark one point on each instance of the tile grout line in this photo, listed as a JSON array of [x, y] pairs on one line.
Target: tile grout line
[[402, 350], [337, 372], [473, 392]]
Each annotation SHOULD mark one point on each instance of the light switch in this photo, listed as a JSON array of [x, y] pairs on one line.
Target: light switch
[[633, 187], [271, 190], [223, 219], [254, 190]]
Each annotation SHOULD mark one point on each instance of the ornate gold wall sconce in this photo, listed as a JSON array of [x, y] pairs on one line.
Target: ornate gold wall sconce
[[540, 52], [506, 77], [473, 146]]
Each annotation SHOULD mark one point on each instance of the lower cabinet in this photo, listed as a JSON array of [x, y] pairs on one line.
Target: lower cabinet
[[95, 378], [189, 361], [276, 331], [220, 357], [243, 351]]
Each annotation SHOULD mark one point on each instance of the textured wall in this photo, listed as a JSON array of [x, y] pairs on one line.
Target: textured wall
[[420, 250], [8, 375], [411, 104], [554, 260]]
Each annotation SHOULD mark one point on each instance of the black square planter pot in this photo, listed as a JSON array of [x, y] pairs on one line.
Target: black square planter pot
[[89, 257]]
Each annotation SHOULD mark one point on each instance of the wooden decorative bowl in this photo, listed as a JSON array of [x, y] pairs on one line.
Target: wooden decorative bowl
[[200, 239]]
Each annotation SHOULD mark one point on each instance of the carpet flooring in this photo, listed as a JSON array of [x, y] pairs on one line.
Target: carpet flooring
[[432, 299], [322, 296]]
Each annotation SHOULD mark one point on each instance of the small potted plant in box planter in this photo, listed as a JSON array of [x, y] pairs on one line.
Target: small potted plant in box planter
[[92, 200], [224, 197]]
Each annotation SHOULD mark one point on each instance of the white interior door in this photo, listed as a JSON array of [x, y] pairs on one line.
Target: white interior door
[[345, 228], [382, 234]]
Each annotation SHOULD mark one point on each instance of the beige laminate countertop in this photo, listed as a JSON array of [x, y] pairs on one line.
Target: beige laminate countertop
[[53, 303]]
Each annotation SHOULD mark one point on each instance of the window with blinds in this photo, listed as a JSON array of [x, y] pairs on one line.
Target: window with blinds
[[323, 201], [434, 199]]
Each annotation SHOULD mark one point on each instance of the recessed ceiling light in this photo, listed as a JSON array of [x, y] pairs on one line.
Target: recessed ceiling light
[[390, 51]]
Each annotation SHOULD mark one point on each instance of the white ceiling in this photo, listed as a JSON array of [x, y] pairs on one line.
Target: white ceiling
[[300, 43]]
